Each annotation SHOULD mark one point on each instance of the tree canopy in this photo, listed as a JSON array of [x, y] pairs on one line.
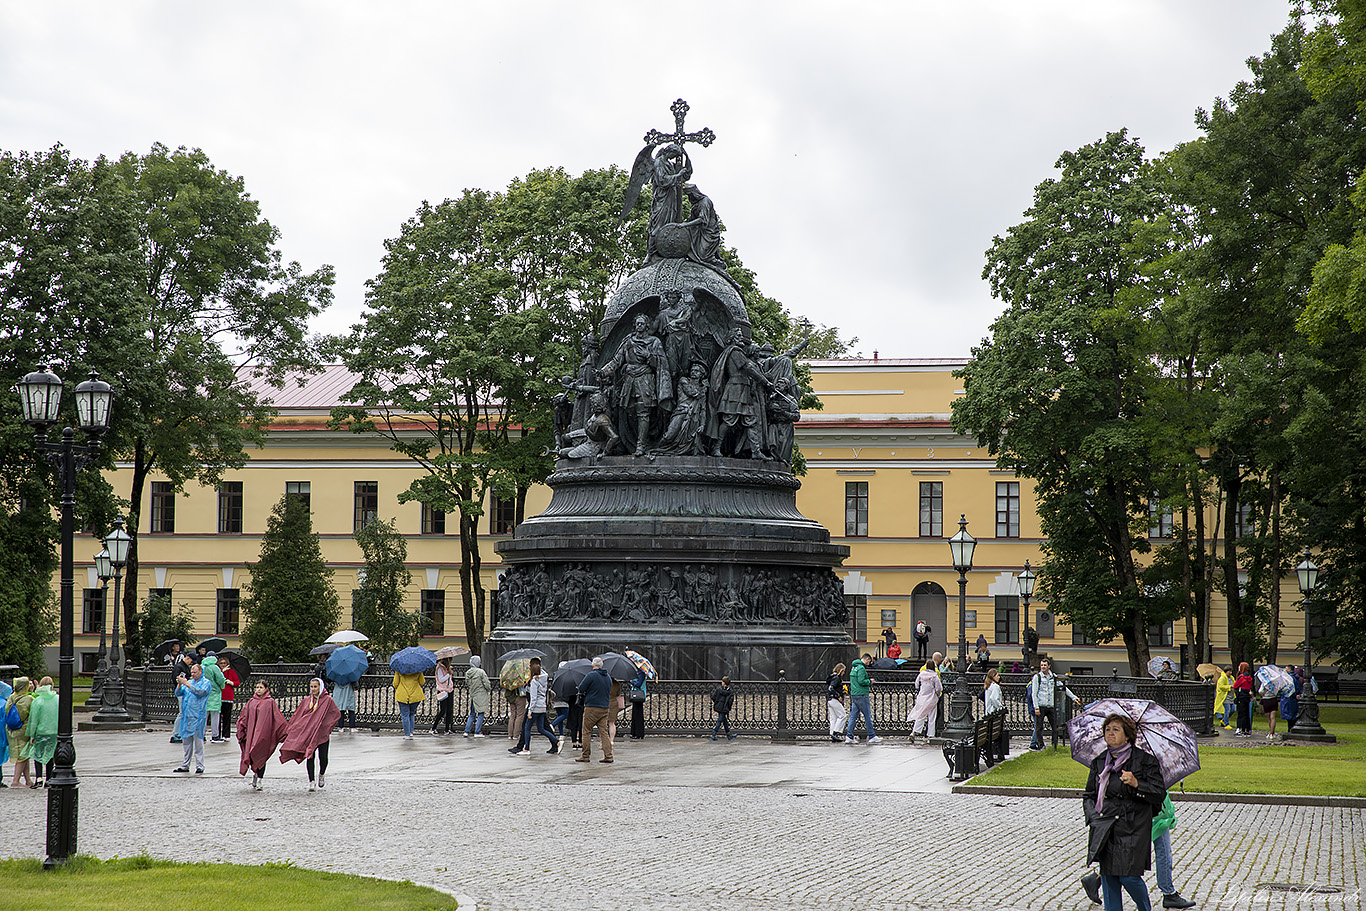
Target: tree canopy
[[290, 604]]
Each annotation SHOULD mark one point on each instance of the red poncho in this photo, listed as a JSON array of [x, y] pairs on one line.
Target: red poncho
[[260, 728], [309, 727]]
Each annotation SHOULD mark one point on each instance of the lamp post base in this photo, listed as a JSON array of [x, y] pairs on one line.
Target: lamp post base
[[1307, 727], [960, 711]]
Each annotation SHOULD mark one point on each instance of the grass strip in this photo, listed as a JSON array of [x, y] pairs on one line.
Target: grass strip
[[142, 882], [1337, 770]]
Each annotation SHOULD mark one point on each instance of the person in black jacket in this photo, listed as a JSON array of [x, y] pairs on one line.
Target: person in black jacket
[[722, 698], [1123, 793]]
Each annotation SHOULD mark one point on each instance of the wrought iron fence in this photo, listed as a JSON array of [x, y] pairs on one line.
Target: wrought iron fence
[[781, 708]]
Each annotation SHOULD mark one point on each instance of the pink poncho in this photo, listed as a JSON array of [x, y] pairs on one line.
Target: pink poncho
[[309, 727], [260, 728]]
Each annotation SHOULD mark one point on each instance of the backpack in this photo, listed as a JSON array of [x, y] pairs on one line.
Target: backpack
[[920, 627], [13, 720]]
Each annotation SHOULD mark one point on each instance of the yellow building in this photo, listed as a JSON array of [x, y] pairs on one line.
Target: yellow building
[[887, 475]]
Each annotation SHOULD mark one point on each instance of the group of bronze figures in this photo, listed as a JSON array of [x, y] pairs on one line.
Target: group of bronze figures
[[673, 593], [671, 389]]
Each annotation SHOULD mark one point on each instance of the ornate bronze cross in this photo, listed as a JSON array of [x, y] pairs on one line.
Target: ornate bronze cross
[[703, 137]]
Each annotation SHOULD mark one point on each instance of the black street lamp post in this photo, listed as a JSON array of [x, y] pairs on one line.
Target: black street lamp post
[[1026, 582], [105, 570], [1306, 726], [961, 547], [40, 395], [112, 707]]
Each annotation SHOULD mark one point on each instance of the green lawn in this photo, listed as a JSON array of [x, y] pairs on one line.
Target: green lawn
[[1339, 769], [138, 883]]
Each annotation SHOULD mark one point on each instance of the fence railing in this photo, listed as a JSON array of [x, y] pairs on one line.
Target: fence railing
[[779, 708]]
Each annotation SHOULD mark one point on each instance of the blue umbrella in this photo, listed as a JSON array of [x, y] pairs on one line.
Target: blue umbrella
[[347, 664], [412, 660]]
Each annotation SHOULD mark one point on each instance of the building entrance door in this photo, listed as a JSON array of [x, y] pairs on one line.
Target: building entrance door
[[929, 603]]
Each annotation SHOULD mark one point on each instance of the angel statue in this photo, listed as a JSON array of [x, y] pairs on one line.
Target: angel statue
[[666, 168]]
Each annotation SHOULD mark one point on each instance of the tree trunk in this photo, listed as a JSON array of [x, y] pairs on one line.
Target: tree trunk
[[142, 467], [1237, 623], [1188, 599], [1198, 574], [474, 617], [1273, 627]]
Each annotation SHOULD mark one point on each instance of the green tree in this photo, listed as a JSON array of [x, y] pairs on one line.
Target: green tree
[[218, 301], [1057, 393], [290, 604], [156, 623], [377, 607], [67, 298]]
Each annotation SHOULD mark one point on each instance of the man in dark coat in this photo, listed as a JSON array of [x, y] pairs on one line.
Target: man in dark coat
[[1123, 793]]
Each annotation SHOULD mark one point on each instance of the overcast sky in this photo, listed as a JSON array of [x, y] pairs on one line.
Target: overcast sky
[[866, 152]]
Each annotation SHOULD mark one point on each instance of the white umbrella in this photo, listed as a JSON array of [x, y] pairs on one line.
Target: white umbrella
[[348, 635]]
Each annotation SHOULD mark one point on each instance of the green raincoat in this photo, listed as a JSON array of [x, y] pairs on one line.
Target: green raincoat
[[20, 746], [41, 727], [1165, 818], [217, 681]]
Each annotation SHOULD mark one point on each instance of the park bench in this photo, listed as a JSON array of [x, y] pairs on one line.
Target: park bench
[[987, 740]]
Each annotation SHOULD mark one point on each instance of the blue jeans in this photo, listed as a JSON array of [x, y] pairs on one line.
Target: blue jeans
[[722, 718], [1162, 862], [1134, 885], [859, 705], [536, 725], [560, 718], [475, 723], [407, 713]]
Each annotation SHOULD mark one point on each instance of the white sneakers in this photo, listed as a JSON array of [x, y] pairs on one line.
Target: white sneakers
[[320, 781], [850, 740], [874, 739]]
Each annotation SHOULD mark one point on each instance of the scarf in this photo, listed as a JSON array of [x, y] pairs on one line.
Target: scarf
[[1113, 761]]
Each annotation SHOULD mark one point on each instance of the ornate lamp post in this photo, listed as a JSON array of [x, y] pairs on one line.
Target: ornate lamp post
[[40, 395], [1307, 725], [961, 547], [1026, 583], [105, 570], [112, 707]]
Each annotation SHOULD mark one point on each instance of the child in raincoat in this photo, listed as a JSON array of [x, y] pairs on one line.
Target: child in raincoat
[[41, 729], [20, 746], [1223, 699]]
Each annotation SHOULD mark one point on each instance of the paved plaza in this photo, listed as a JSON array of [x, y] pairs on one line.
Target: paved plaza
[[674, 823]]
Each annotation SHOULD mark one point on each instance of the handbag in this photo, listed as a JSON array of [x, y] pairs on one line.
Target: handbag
[[637, 695]]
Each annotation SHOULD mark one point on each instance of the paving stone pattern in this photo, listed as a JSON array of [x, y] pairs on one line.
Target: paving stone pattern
[[681, 824]]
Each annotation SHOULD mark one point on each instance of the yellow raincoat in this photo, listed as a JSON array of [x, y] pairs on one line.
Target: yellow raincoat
[[1221, 690]]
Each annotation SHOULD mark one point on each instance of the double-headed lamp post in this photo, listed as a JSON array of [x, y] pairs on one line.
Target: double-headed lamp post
[[1306, 726], [105, 570], [112, 707], [40, 395], [961, 547]]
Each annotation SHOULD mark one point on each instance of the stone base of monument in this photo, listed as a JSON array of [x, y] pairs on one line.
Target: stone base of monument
[[694, 652]]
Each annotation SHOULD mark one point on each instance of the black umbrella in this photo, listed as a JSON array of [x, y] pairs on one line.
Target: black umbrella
[[215, 644], [522, 653], [619, 666], [885, 664], [161, 651], [568, 677], [326, 648], [237, 662]]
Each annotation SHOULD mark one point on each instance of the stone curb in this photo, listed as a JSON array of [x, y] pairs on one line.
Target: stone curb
[[1285, 800]]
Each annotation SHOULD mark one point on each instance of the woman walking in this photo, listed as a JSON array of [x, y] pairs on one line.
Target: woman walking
[[260, 729], [408, 694], [41, 729], [445, 696], [928, 689], [480, 690], [1242, 698], [344, 695], [835, 711], [639, 694], [309, 730], [20, 747], [214, 674], [1123, 793]]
